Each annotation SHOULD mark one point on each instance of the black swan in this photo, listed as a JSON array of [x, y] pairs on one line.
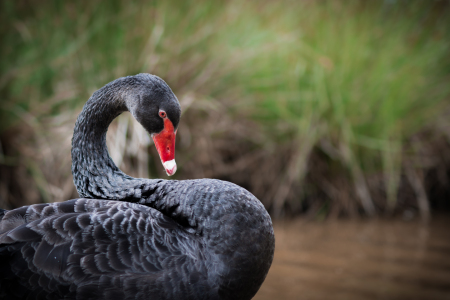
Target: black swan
[[159, 239]]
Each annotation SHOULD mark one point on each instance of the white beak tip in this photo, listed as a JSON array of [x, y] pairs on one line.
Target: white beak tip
[[170, 166]]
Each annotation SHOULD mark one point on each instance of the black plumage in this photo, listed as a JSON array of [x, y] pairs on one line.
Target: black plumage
[[131, 238]]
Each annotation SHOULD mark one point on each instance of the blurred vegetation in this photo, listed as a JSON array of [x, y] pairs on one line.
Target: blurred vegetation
[[318, 107]]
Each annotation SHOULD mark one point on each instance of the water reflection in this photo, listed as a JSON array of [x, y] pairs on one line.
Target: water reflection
[[376, 259]]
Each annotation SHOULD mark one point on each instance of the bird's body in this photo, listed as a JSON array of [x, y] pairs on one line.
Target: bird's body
[[141, 238]]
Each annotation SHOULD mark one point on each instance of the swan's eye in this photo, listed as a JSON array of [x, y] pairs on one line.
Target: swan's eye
[[162, 114]]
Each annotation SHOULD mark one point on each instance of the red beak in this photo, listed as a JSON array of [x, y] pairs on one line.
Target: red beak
[[165, 144]]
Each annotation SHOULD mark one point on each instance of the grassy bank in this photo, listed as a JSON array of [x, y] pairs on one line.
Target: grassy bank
[[323, 107]]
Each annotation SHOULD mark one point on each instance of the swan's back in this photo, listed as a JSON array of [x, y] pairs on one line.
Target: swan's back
[[198, 244]]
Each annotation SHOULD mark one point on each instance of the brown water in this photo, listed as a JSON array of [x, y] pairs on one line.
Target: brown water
[[378, 259]]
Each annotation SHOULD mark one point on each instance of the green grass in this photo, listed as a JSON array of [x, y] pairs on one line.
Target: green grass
[[364, 78], [350, 80]]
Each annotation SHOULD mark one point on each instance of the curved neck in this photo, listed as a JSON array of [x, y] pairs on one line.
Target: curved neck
[[94, 173]]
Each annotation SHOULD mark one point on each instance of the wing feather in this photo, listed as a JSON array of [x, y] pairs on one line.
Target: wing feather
[[104, 249]]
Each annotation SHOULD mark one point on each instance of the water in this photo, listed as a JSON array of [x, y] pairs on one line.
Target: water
[[377, 259]]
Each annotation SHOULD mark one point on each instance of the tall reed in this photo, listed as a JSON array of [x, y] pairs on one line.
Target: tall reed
[[314, 105]]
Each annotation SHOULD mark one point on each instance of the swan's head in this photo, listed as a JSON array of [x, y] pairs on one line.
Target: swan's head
[[154, 105]]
